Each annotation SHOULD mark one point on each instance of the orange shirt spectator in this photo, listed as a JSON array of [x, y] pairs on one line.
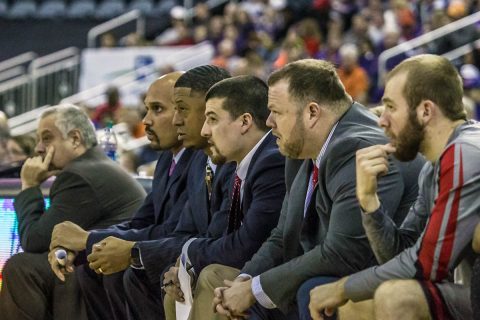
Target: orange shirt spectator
[[355, 82]]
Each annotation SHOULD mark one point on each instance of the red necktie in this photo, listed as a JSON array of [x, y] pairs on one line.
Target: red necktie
[[311, 187], [315, 176], [235, 215]]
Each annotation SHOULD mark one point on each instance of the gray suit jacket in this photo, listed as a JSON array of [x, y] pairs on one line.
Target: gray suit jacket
[[330, 239]]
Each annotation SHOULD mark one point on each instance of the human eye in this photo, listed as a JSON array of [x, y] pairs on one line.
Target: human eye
[[211, 119], [157, 108]]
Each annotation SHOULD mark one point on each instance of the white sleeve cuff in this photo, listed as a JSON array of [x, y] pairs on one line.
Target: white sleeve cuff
[[185, 252], [260, 295]]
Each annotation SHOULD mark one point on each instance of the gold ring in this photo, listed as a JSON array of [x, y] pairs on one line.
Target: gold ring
[[100, 270]]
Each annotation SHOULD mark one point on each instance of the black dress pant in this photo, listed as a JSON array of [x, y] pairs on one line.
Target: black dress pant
[[143, 297], [104, 295], [30, 290]]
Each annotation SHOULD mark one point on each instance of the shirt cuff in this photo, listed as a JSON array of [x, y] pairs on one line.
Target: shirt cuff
[[260, 295], [185, 253]]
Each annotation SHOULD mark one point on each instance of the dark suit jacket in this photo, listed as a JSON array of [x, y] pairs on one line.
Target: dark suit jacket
[[158, 255], [263, 191], [81, 195], [160, 211], [330, 240]]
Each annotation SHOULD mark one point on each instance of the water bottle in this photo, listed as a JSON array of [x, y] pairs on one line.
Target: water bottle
[[109, 142]]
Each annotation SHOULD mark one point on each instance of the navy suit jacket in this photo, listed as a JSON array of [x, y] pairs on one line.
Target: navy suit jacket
[[161, 209], [263, 192], [158, 255]]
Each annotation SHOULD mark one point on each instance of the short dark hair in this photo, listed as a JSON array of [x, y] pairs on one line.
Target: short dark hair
[[201, 78], [313, 80], [244, 94], [432, 77]]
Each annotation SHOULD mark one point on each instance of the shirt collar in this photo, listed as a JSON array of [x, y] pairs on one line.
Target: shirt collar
[[325, 146], [177, 157], [242, 167], [211, 164]]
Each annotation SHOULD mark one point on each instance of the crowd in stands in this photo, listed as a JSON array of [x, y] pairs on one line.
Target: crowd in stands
[[256, 37]]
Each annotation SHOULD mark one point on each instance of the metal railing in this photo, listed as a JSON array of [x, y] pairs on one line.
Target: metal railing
[[54, 76], [421, 41], [115, 23], [46, 80], [20, 61]]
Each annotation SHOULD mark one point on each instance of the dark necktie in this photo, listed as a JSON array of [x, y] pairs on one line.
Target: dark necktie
[[235, 215], [172, 167], [209, 179]]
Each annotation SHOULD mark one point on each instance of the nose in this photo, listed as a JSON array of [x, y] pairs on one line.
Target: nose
[[146, 120], [177, 119], [383, 121], [40, 148], [270, 121], [206, 132]]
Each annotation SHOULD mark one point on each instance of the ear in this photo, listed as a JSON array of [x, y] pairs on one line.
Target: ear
[[76, 138], [246, 122], [426, 111], [313, 113]]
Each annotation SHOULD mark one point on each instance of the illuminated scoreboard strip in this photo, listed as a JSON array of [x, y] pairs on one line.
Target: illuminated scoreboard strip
[[9, 238]]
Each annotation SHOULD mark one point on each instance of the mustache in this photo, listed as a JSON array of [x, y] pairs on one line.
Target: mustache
[[150, 131]]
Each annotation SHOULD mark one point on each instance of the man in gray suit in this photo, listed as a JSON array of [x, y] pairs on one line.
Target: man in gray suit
[[320, 230]]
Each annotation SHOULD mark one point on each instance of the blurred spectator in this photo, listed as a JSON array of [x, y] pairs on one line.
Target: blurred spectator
[[353, 77], [132, 118], [471, 84], [21, 147], [293, 49], [107, 112], [178, 33], [309, 31], [457, 10], [108, 40], [358, 31], [226, 54]]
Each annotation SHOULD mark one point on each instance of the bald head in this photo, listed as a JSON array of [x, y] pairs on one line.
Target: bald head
[[160, 108]]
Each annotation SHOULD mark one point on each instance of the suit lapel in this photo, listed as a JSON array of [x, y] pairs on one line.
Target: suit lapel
[[160, 191], [296, 203]]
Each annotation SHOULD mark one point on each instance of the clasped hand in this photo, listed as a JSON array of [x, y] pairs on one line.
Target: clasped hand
[[110, 255], [234, 299]]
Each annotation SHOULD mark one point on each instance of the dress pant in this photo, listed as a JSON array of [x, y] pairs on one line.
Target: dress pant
[[30, 290], [303, 295], [144, 298], [104, 295], [210, 278]]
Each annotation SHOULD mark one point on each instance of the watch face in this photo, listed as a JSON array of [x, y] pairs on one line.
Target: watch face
[[135, 257]]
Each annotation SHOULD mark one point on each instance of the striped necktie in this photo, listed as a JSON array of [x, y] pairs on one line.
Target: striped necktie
[[235, 215]]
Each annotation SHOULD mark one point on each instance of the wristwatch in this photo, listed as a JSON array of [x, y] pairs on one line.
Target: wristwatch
[[135, 257]]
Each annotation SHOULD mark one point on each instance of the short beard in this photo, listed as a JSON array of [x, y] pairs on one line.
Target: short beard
[[216, 157], [410, 139], [294, 147]]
